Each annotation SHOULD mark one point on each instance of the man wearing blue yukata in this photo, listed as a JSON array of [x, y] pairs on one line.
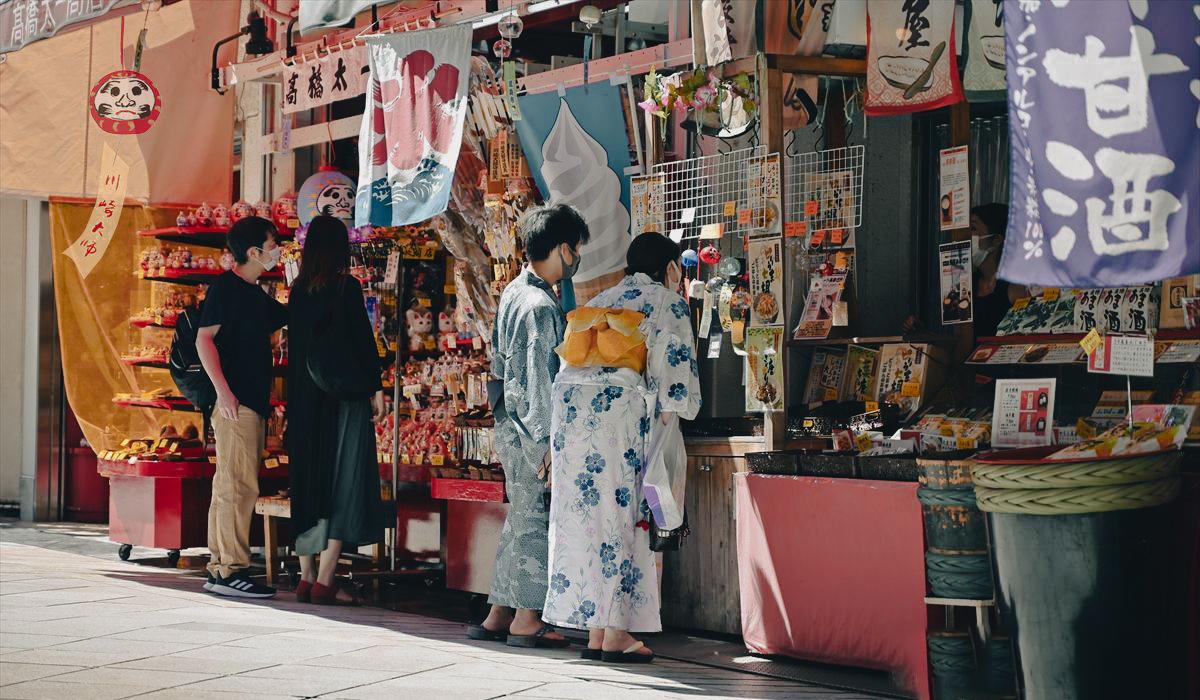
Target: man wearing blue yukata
[[529, 325]]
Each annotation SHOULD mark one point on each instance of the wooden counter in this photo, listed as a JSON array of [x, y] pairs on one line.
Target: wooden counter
[[700, 582]]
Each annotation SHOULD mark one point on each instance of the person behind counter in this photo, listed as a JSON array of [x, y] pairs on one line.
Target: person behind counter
[[330, 441], [629, 371], [529, 324], [993, 296]]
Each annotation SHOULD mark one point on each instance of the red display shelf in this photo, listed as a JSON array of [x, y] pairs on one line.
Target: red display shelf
[[168, 403], [1165, 334], [205, 236], [193, 277], [193, 469], [150, 323], [467, 490]]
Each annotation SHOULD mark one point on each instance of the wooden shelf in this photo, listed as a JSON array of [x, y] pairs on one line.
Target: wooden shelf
[[1164, 334], [204, 236], [915, 339], [206, 276]]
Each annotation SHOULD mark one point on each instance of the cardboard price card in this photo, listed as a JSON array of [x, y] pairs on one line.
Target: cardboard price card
[[1129, 355], [1023, 412]]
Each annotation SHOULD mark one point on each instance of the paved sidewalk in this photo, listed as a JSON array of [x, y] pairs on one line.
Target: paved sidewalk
[[78, 627]]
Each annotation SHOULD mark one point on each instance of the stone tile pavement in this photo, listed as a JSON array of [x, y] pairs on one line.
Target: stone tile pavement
[[78, 627]]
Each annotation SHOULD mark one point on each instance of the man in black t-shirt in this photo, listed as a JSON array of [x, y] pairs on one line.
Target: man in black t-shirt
[[234, 345]]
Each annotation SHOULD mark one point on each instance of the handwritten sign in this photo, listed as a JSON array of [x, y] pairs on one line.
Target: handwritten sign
[[1090, 342], [795, 229], [314, 82], [1119, 354], [87, 250]]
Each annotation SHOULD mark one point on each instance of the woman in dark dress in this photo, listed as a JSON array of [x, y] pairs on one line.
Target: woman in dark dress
[[330, 442]]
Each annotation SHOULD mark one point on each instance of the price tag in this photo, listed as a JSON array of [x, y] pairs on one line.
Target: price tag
[[437, 460], [743, 217], [837, 236], [688, 215], [430, 344], [404, 459], [412, 391], [712, 231], [841, 261], [477, 343], [730, 208], [271, 463], [1050, 294], [283, 459], [831, 394], [964, 443], [910, 389], [811, 207], [1021, 303], [795, 229], [1090, 342], [714, 345], [818, 238], [451, 341], [862, 441], [424, 301], [871, 405]]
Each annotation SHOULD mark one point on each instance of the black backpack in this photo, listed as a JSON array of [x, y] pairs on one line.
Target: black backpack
[[184, 361]]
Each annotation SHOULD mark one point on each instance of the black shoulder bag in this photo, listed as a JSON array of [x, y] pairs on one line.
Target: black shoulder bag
[[333, 361]]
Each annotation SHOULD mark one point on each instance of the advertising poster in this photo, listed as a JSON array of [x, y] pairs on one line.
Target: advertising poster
[[859, 376], [764, 199], [955, 201], [824, 376], [823, 295], [646, 204], [764, 369], [954, 261], [1023, 412], [765, 259]]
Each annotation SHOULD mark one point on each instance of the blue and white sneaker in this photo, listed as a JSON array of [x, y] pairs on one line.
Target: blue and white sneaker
[[208, 585], [239, 585]]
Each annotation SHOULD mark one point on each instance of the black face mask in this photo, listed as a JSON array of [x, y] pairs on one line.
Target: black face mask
[[569, 271]]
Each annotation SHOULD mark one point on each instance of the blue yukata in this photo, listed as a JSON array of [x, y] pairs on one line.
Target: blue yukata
[[529, 325], [602, 572]]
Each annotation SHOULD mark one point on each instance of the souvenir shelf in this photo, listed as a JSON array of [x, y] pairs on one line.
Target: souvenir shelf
[[151, 323], [468, 490], [177, 276], [1171, 347], [205, 236], [873, 340], [166, 403]]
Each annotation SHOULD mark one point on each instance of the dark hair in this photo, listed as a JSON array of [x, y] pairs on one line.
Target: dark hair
[[651, 253], [247, 233], [548, 227], [326, 253], [994, 216]]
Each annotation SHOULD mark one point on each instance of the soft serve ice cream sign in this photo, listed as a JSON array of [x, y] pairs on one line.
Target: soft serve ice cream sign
[[575, 170]]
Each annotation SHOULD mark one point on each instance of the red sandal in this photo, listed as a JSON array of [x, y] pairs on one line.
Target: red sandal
[[327, 595], [304, 592]]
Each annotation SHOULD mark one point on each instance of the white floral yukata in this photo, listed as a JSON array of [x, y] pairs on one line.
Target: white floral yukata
[[602, 572]]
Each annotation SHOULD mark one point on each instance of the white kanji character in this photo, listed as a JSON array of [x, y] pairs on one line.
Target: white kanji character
[[1132, 205], [1099, 77], [47, 27]]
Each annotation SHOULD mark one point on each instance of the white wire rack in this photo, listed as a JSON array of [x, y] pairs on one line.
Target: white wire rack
[[825, 193], [704, 195]]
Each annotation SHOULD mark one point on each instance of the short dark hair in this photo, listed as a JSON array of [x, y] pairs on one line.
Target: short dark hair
[[994, 216], [247, 233], [326, 253], [651, 253], [545, 228]]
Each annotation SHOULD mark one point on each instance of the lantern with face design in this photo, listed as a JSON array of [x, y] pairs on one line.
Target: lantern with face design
[[125, 102], [327, 192]]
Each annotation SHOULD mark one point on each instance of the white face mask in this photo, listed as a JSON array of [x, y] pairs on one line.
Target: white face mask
[[978, 252], [272, 258]]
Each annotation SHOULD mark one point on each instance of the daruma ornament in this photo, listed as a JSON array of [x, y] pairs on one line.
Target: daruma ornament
[[329, 192], [124, 102]]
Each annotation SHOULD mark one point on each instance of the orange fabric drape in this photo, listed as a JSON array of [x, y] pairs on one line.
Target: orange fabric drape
[[94, 329]]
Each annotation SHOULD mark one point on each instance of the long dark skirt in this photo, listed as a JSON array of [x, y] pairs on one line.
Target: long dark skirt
[[356, 512]]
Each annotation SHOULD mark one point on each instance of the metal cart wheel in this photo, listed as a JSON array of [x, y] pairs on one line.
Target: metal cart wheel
[[173, 557], [125, 551]]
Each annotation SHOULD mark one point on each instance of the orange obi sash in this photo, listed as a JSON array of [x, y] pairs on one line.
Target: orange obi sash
[[599, 337]]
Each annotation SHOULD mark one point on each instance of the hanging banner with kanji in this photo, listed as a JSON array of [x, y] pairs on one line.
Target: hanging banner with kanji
[[337, 76], [23, 22], [983, 76], [911, 64], [1103, 119], [87, 250], [412, 126]]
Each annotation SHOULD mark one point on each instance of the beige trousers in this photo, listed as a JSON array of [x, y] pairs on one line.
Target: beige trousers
[[234, 490]]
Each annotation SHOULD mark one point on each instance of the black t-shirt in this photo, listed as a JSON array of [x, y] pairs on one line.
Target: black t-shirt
[[247, 317]]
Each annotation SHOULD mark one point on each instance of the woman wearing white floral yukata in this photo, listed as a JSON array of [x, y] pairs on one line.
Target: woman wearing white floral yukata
[[629, 369]]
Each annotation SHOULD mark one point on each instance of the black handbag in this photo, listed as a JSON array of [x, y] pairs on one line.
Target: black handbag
[[333, 361], [668, 540]]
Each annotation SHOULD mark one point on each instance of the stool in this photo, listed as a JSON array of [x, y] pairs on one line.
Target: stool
[[272, 507]]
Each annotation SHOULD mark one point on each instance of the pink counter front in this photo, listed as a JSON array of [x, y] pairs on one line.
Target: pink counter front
[[833, 570]]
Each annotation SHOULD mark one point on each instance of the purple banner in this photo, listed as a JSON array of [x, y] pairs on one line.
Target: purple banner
[[1104, 117]]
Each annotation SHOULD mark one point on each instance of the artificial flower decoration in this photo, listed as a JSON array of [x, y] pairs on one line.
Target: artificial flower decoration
[[702, 91]]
